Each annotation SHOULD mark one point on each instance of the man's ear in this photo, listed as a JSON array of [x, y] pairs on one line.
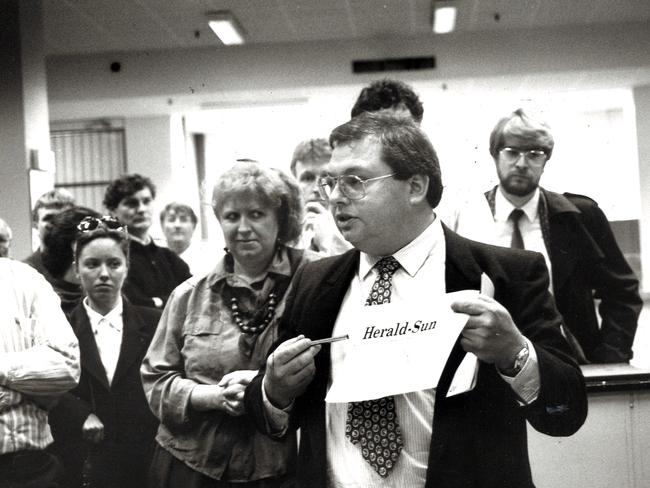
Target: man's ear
[[418, 188]]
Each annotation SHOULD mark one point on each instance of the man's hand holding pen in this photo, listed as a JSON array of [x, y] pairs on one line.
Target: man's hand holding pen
[[289, 370]]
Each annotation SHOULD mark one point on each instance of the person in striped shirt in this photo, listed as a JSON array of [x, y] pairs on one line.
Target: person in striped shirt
[[39, 360]]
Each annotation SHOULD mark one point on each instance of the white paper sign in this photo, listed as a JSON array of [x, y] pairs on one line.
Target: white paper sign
[[393, 350], [465, 378]]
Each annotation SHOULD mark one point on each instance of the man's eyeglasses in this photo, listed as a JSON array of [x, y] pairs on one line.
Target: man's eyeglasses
[[89, 224], [534, 157], [351, 186]]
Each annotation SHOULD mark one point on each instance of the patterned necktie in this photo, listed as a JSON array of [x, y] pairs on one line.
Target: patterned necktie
[[517, 241], [373, 423]]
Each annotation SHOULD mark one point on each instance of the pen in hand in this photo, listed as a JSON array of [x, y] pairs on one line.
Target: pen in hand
[[329, 340]]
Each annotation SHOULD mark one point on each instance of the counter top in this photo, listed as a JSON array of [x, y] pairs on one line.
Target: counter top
[[615, 377]]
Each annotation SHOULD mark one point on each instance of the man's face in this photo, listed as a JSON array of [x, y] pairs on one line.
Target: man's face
[[373, 223], [178, 227], [135, 212], [44, 220], [307, 174], [519, 178]]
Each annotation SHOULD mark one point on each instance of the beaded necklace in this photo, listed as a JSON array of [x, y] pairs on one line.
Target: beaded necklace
[[259, 320]]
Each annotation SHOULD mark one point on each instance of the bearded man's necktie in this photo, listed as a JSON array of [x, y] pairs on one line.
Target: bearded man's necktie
[[517, 241]]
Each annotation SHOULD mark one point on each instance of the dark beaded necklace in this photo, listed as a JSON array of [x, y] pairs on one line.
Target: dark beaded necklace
[[259, 321]]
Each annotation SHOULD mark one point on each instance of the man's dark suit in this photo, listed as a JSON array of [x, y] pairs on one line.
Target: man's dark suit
[[586, 262], [129, 426], [479, 438]]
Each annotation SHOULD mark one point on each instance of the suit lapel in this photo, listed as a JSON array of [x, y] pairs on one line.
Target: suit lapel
[[133, 341], [90, 359], [330, 294], [462, 272], [319, 322]]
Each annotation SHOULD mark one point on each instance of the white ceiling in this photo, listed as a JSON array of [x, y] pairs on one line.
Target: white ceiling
[[93, 26]]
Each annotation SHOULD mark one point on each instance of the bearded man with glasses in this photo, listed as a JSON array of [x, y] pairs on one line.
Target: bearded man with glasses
[[573, 235]]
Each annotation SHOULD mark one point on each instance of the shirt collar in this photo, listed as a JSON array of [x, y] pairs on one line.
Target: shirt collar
[[143, 242], [503, 207], [114, 317], [280, 265], [412, 256]]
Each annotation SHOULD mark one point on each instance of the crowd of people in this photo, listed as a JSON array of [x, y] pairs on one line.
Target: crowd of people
[[127, 363]]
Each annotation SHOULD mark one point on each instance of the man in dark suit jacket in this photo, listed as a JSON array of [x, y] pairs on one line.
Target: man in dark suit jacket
[[154, 271], [575, 237], [121, 454], [383, 182]]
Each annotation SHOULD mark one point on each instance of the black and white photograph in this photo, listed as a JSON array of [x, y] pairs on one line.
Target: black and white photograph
[[324, 243]]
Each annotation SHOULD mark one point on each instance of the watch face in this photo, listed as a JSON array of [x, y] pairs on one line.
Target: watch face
[[520, 359]]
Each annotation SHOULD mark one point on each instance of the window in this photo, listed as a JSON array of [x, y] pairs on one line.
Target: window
[[88, 156]]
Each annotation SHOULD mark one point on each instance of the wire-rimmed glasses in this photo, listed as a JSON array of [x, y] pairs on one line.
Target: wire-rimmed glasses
[[534, 157], [351, 186]]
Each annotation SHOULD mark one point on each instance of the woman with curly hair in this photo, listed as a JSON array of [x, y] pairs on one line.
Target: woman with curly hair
[[215, 334]]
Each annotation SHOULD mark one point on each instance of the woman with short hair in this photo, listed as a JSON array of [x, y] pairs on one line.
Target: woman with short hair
[[215, 333]]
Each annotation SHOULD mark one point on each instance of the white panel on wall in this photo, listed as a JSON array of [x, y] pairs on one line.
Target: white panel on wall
[[87, 159]]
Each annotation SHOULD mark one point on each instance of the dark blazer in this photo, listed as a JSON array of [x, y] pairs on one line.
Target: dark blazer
[[479, 438], [154, 271], [587, 263], [123, 457]]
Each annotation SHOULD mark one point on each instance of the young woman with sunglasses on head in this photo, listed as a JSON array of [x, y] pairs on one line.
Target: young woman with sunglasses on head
[[105, 425], [57, 256]]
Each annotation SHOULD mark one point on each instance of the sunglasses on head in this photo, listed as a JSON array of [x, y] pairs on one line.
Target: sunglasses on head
[[89, 224]]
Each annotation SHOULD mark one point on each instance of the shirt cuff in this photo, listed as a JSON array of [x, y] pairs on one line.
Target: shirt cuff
[[277, 420], [527, 382]]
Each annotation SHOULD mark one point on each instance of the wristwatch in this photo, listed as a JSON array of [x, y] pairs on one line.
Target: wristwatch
[[519, 362]]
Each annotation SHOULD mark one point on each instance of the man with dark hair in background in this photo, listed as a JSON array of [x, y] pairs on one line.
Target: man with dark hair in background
[[382, 183], [46, 207], [154, 271], [574, 236], [319, 232], [393, 96], [461, 209], [58, 255]]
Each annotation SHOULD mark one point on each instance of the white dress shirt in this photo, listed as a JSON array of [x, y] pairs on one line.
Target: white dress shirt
[[529, 224], [108, 335], [467, 212], [420, 277]]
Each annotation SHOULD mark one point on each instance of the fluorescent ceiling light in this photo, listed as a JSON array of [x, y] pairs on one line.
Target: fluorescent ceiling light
[[226, 27], [444, 17]]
